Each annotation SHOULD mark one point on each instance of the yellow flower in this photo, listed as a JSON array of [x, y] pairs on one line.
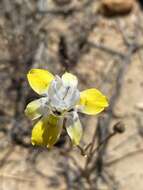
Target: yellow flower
[[61, 100]]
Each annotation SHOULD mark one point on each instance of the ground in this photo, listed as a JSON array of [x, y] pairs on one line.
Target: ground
[[104, 52]]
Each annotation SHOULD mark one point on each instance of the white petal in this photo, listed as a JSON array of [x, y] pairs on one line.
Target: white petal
[[69, 79], [74, 128]]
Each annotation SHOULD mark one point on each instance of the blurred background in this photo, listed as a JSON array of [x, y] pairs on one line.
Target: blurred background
[[101, 41]]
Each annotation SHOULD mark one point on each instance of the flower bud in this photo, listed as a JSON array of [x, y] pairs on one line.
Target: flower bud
[[119, 127]]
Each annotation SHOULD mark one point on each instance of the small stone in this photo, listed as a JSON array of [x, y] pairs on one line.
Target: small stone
[[113, 7]]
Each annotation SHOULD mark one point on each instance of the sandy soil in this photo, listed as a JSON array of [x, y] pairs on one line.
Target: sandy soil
[[35, 168]]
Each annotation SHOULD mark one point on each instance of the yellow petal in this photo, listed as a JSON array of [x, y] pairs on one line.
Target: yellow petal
[[47, 131], [75, 132], [39, 80], [69, 79], [33, 109], [93, 101]]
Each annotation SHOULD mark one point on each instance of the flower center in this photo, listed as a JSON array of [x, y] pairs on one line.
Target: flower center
[[62, 97]]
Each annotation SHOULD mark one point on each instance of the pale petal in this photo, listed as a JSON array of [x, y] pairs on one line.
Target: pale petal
[[72, 97], [74, 129], [47, 131], [34, 109], [39, 80], [62, 97], [69, 79], [92, 101]]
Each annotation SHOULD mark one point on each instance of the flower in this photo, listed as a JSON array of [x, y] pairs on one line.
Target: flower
[[59, 106]]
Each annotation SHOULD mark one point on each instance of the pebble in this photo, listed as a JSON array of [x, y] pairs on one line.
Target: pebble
[[111, 7]]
